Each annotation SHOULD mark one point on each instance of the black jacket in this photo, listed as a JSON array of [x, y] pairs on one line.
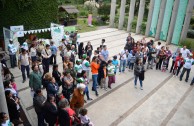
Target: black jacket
[[138, 69], [50, 112], [38, 102], [63, 117]]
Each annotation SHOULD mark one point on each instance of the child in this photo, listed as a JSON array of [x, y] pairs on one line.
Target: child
[[111, 75], [103, 74], [78, 66], [164, 64], [85, 120], [86, 82], [115, 62], [132, 58]]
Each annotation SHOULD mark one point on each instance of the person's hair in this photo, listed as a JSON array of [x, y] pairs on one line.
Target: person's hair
[[65, 73], [159, 43], [162, 47], [68, 47], [104, 46], [12, 80], [110, 61], [6, 83], [2, 116], [115, 57], [83, 72], [94, 58], [52, 42], [83, 111], [180, 54], [6, 71], [96, 51], [23, 50], [7, 92], [47, 76], [38, 91], [81, 45], [137, 60], [55, 66], [33, 66], [47, 45], [63, 103], [50, 97]]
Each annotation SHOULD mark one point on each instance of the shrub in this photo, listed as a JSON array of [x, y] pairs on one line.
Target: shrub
[[133, 24], [190, 34], [192, 21], [104, 9], [143, 27], [104, 18], [94, 22], [192, 26], [189, 43]]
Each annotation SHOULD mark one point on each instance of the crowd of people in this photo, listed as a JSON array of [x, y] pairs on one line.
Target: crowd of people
[[65, 107]]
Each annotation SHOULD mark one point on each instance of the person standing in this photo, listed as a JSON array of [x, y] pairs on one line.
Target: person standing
[[33, 54], [161, 57], [38, 103], [24, 64], [50, 110], [139, 73], [86, 65], [179, 62], [185, 52], [52, 87], [95, 65], [174, 56], [105, 53], [151, 56], [187, 67], [77, 101], [63, 49], [88, 49], [56, 74], [168, 56], [80, 50], [46, 54], [40, 47], [35, 81], [111, 75], [123, 58], [12, 53], [54, 53]]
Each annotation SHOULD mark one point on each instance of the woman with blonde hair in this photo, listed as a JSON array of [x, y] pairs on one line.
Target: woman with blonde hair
[[46, 79]]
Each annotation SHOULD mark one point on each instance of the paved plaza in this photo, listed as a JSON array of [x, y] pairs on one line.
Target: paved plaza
[[164, 101]]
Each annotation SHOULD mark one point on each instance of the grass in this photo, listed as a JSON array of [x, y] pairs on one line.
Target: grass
[[83, 26]]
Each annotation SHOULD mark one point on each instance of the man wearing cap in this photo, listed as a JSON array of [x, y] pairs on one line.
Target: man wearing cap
[[77, 101], [12, 53], [86, 65], [187, 67], [78, 66], [105, 53]]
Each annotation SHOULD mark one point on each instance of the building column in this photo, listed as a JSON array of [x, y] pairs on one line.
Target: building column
[[173, 20], [160, 19], [187, 19], [112, 13], [131, 14], [149, 21], [140, 16], [122, 14]]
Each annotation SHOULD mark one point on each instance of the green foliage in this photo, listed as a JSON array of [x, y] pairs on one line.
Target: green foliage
[[24, 4], [94, 22], [143, 28], [104, 9], [192, 26], [133, 24], [189, 43], [39, 15], [190, 34], [192, 21]]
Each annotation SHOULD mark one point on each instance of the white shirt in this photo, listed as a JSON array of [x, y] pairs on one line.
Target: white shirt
[[12, 49], [123, 54], [24, 59], [48, 54], [32, 52], [184, 52]]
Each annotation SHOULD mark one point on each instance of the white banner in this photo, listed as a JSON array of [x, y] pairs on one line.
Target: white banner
[[39, 30], [57, 33], [35, 31], [25, 32], [18, 30]]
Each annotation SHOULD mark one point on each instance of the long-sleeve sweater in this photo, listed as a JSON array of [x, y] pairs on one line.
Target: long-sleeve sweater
[[94, 68]]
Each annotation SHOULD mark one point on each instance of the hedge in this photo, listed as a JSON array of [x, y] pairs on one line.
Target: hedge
[[38, 15]]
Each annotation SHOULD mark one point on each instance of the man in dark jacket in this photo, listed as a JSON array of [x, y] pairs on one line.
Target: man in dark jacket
[[38, 103]]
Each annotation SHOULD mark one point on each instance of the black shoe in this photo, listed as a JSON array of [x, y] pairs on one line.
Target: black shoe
[[85, 101], [180, 79], [97, 94], [191, 84], [93, 89], [186, 80], [89, 99], [109, 87], [23, 81]]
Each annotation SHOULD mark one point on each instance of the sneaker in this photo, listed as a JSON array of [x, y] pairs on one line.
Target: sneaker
[[135, 86], [141, 88], [90, 99], [191, 84], [85, 101], [97, 86], [97, 94], [106, 89], [186, 80]]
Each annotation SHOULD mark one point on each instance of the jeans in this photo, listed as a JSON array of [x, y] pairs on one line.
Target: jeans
[[46, 63], [51, 59], [173, 63], [131, 65], [122, 64], [159, 64], [27, 68], [151, 63], [13, 60], [187, 75], [94, 79], [40, 117], [140, 81], [192, 81], [86, 91]]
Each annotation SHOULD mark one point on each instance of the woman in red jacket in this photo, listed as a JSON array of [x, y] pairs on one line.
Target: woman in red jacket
[[178, 64]]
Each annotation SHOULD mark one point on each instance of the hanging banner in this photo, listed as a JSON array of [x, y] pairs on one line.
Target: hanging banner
[[57, 33], [18, 30], [25, 32]]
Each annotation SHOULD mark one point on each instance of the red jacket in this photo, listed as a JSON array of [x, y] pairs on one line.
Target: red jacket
[[179, 60]]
